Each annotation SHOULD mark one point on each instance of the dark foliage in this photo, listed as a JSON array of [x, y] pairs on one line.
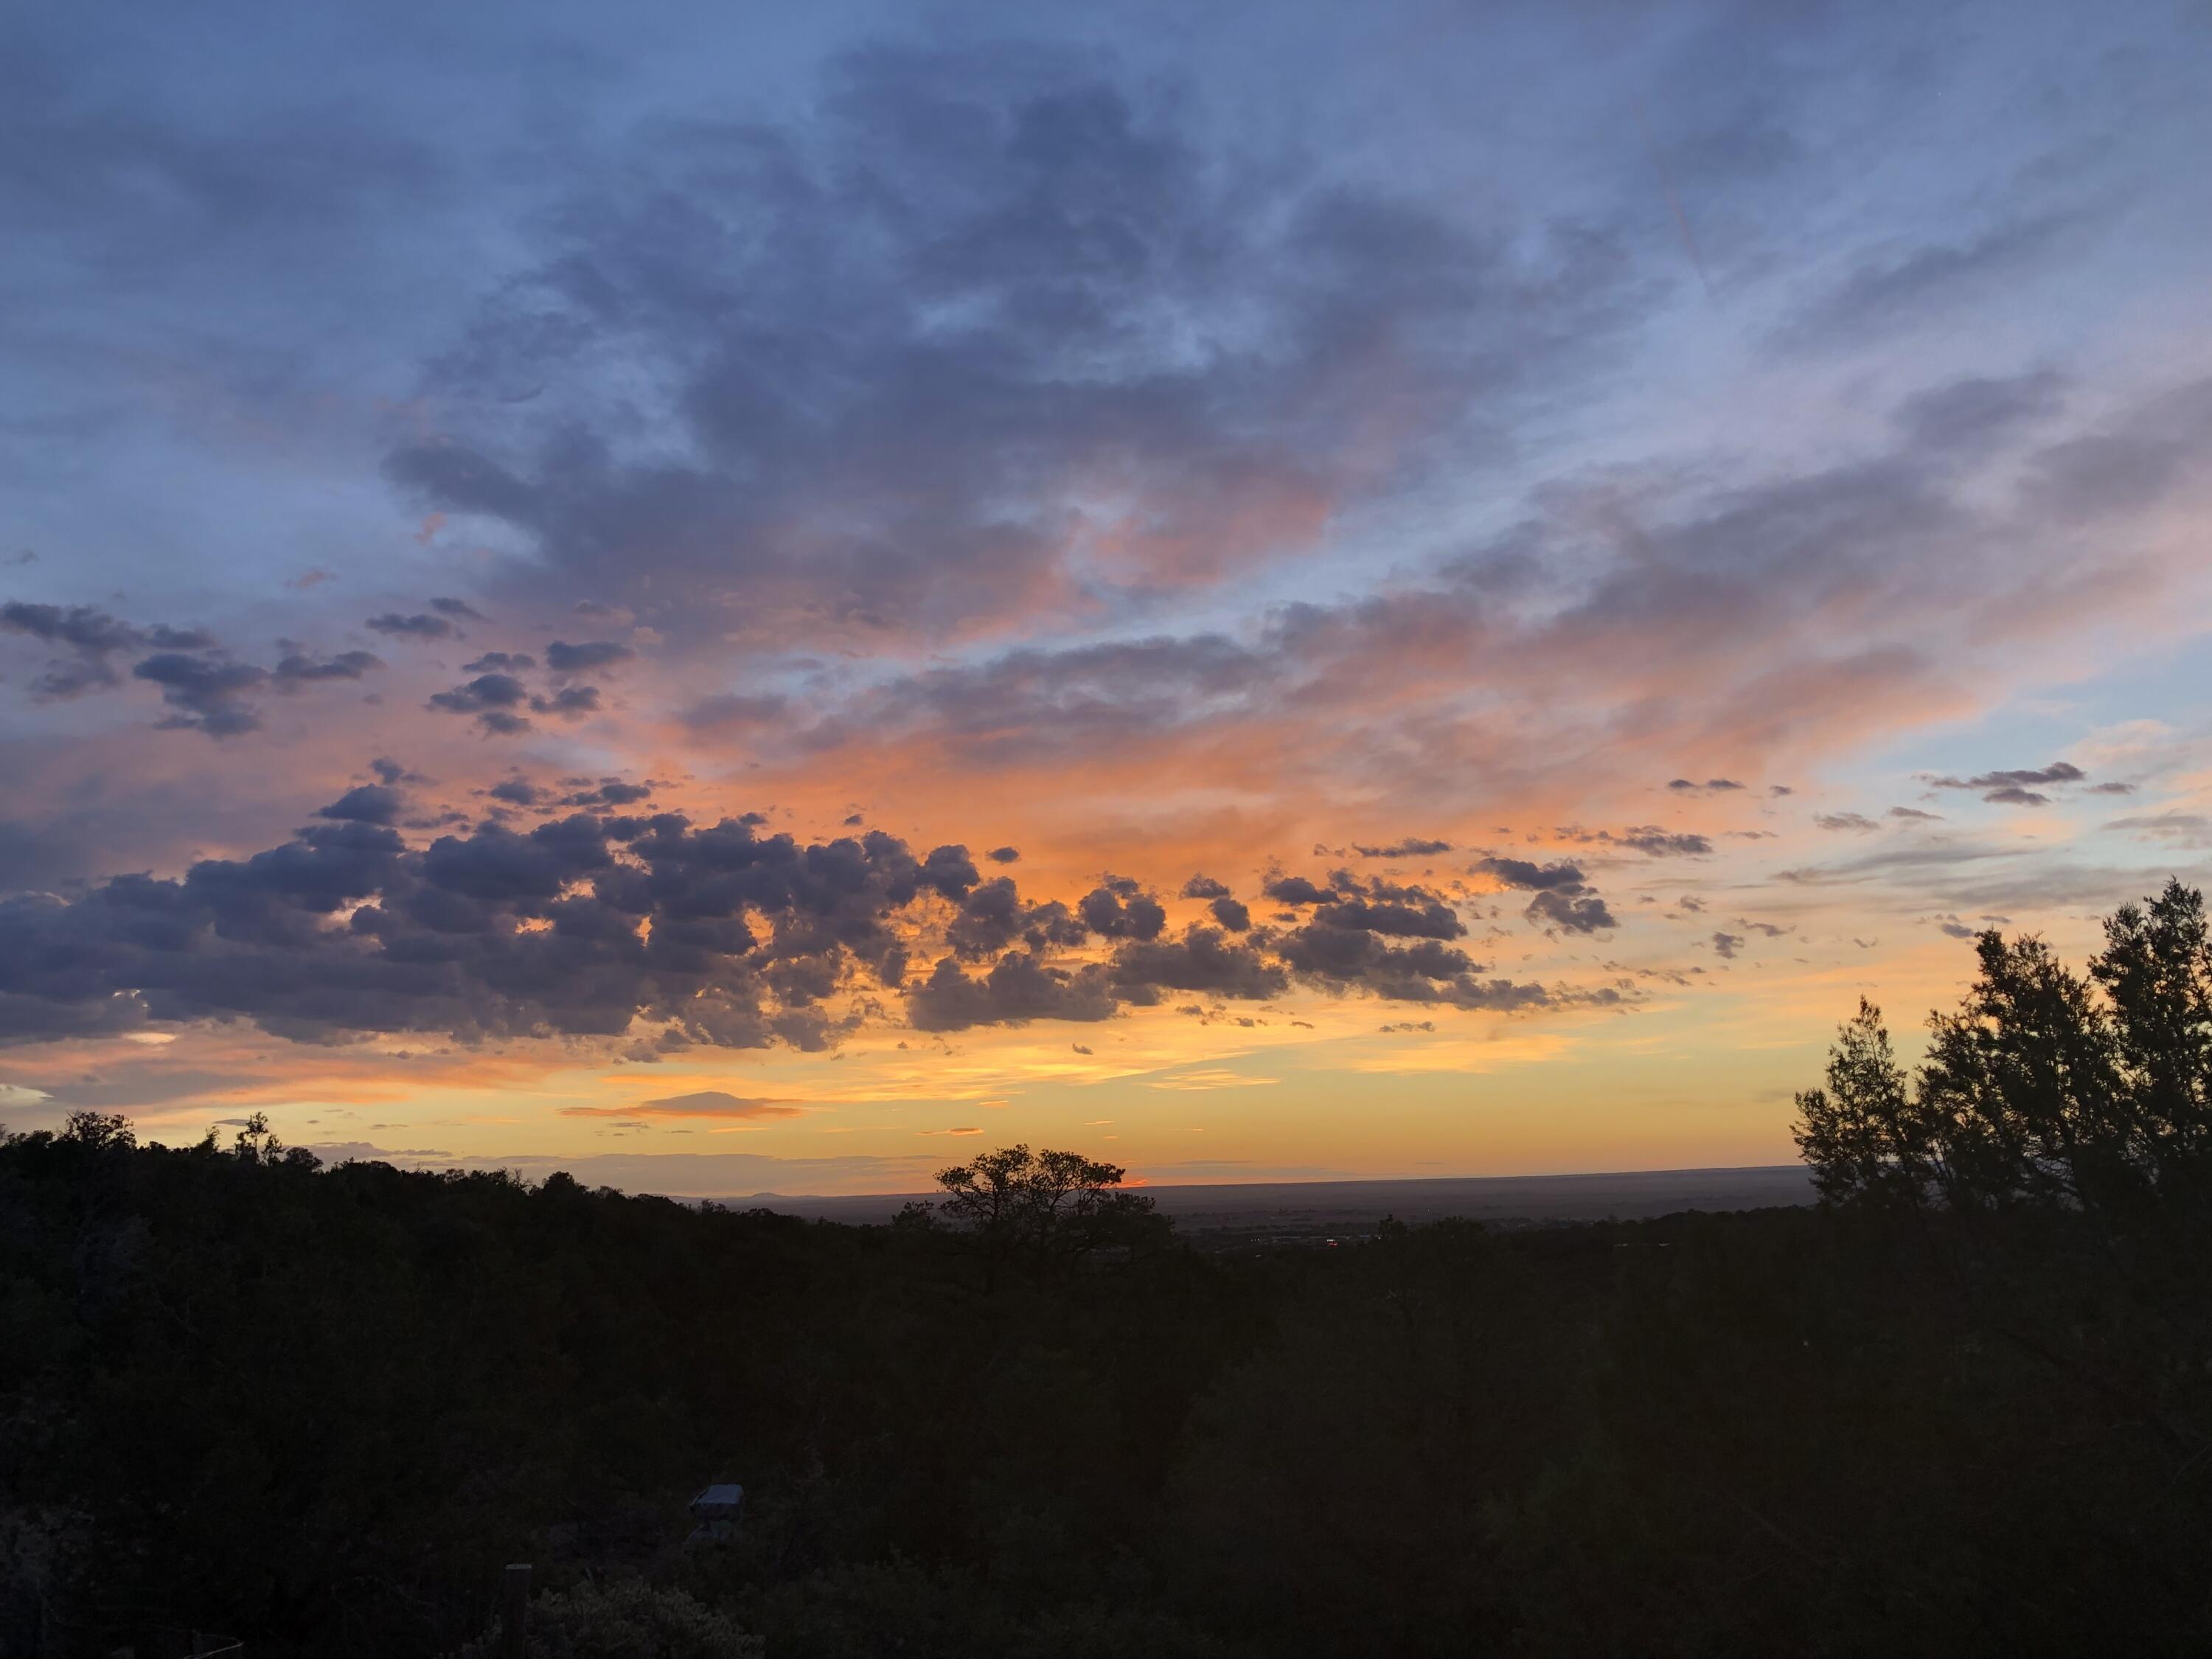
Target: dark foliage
[[320, 1409], [2036, 1092]]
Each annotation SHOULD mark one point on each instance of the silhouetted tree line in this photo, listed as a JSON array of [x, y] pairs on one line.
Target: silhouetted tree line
[[2044, 1088], [1963, 1407]]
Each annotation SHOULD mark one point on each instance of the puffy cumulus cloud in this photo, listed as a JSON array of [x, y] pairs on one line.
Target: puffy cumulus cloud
[[1206, 887], [1203, 959], [1020, 987], [992, 915], [1118, 910], [991, 327], [1295, 889], [602, 924], [1562, 901], [1376, 938], [581, 926]]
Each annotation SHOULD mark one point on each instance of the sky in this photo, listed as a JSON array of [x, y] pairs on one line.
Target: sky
[[757, 599]]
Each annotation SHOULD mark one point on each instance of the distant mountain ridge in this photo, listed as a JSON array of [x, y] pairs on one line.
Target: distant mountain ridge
[[1622, 1194]]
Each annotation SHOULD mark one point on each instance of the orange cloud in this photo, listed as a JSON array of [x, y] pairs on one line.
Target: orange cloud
[[707, 1102]]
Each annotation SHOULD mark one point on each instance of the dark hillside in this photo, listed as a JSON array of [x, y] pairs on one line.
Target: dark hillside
[[320, 1409]]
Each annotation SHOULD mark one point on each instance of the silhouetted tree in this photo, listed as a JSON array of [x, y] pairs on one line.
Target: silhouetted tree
[[1047, 1211], [1862, 1134], [2156, 969], [2035, 1090]]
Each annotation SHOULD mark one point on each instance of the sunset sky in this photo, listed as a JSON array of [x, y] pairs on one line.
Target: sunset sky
[[753, 598]]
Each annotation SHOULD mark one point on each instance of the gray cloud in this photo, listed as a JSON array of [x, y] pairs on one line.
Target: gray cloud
[[851, 458], [586, 925], [1412, 847], [1893, 288], [419, 626]]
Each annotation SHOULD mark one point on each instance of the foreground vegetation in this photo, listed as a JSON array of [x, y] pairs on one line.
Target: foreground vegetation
[[1963, 1407]]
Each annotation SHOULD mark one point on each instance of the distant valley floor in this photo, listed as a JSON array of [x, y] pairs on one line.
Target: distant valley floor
[[1316, 1206]]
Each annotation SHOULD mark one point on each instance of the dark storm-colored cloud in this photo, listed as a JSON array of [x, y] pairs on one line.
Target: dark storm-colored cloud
[[899, 338], [1205, 887], [1231, 914]]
